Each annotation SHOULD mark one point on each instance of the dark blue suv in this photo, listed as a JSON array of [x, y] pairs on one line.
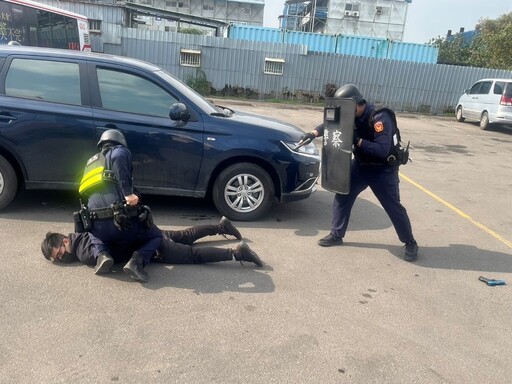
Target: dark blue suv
[[54, 105]]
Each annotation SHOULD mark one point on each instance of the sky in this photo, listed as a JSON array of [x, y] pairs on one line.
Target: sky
[[426, 19]]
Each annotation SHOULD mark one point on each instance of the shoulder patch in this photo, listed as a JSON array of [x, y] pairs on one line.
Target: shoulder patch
[[378, 126]]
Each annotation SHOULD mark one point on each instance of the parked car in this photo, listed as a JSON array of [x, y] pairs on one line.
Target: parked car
[[54, 105], [487, 101]]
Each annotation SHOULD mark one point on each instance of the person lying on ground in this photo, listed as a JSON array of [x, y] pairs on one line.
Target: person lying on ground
[[176, 248]]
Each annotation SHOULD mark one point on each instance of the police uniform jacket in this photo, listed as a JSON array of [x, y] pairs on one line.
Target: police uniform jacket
[[377, 134], [118, 160], [82, 249]]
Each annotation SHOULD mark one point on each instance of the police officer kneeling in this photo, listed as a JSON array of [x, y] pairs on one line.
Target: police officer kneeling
[[113, 213], [375, 163]]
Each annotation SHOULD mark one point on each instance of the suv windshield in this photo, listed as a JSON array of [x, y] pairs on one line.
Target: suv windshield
[[205, 105]]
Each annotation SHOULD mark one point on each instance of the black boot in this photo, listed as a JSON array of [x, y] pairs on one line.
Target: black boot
[[226, 228], [411, 251], [103, 263], [243, 253], [135, 268]]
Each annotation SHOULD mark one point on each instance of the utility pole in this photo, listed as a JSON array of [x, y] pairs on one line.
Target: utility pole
[[313, 17]]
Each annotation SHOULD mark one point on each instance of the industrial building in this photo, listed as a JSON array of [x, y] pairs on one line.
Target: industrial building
[[229, 11], [371, 18]]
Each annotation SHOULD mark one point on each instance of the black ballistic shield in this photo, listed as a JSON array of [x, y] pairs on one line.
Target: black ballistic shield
[[339, 115]]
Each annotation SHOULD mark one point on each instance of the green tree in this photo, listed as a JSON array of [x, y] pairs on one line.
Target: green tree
[[455, 51], [199, 83], [191, 31], [490, 48]]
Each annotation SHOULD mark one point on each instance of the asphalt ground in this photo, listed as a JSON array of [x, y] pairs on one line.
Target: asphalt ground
[[351, 314]]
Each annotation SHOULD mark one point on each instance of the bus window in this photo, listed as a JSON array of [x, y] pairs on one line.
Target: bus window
[[25, 22]]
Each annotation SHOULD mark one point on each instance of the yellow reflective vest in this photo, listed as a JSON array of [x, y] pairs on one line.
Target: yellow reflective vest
[[95, 174]]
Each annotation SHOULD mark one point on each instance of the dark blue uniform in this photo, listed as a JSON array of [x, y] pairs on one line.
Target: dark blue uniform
[[138, 237], [176, 248], [370, 168]]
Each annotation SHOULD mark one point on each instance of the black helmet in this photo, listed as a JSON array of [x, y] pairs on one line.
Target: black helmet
[[350, 91], [112, 136]]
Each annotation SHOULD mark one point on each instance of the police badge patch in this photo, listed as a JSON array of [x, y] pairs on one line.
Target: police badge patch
[[379, 127]]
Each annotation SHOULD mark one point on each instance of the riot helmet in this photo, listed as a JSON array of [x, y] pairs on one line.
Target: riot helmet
[[350, 91], [112, 136]]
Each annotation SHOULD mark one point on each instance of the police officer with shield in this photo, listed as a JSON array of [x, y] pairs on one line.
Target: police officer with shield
[[113, 213], [377, 156]]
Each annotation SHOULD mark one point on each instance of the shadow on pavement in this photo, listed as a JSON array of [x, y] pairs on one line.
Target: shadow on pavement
[[229, 276], [454, 256]]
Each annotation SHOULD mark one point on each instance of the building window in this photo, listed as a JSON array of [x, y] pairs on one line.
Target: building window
[[246, 11], [94, 25], [274, 66], [351, 7], [352, 10], [208, 7], [183, 4], [171, 4], [381, 10], [190, 58]]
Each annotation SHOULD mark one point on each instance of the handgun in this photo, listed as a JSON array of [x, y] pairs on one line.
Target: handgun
[[492, 282]]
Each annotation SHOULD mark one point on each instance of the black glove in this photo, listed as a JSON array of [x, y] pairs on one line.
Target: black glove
[[145, 216], [310, 136], [121, 221], [355, 139]]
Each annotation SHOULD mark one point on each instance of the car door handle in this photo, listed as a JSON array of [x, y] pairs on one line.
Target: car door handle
[[6, 117]]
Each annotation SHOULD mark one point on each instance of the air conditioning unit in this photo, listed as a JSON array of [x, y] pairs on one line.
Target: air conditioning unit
[[378, 10], [355, 14], [347, 13]]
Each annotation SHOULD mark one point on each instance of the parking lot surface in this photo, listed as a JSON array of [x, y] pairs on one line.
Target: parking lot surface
[[351, 314]]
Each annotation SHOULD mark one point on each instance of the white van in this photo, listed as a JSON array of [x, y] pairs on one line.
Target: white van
[[488, 101]]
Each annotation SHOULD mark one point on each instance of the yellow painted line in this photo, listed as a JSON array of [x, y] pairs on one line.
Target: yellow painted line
[[458, 211]]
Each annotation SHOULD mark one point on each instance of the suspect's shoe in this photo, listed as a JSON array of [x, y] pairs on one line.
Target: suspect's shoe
[[226, 228], [103, 263], [330, 240], [243, 253], [411, 251], [135, 268]]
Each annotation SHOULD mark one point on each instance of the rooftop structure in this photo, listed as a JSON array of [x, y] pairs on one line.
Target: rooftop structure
[[372, 18]]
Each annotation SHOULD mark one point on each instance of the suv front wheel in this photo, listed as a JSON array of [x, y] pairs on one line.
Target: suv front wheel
[[8, 183], [243, 192]]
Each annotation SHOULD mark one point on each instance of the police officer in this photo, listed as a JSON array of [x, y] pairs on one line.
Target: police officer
[[176, 247], [114, 207], [374, 140]]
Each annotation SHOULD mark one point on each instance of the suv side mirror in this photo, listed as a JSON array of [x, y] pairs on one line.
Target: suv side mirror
[[179, 112]]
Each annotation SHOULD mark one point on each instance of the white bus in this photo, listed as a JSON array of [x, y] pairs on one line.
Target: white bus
[[27, 22]]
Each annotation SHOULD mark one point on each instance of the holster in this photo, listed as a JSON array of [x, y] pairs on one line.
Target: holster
[[122, 214], [82, 220], [400, 158], [403, 156]]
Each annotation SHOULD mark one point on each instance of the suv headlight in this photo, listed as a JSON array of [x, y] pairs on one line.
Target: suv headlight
[[308, 149]]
